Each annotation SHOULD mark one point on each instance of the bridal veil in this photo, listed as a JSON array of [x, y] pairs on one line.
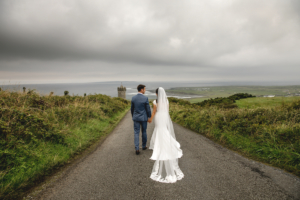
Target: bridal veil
[[166, 150]]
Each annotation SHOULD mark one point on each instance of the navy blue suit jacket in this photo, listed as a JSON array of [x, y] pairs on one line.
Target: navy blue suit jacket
[[140, 108]]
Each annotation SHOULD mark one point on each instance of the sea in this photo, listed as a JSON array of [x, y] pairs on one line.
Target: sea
[[110, 88], [107, 88]]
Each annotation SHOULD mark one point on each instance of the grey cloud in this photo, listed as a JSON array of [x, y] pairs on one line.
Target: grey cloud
[[183, 38]]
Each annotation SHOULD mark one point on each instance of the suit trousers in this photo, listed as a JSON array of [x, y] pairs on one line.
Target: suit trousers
[[137, 127]]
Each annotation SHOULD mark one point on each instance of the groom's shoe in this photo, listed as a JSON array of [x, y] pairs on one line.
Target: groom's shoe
[[144, 148], [137, 152]]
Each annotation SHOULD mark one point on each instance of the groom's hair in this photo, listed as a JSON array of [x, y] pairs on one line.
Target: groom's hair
[[140, 86]]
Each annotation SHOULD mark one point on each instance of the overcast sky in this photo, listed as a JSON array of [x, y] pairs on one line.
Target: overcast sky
[[55, 41]]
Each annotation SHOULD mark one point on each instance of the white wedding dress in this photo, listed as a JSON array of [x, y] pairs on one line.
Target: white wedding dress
[[166, 150]]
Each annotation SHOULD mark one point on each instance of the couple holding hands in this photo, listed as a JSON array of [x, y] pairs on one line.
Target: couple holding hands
[[166, 150]]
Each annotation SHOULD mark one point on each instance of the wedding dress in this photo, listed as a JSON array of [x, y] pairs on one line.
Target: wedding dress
[[166, 150]]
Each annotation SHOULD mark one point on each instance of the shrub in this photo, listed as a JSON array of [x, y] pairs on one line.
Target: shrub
[[178, 101], [239, 96], [30, 123], [271, 135], [294, 106], [224, 102]]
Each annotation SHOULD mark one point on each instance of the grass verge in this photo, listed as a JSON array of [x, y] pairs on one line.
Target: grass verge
[[267, 134], [42, 133]]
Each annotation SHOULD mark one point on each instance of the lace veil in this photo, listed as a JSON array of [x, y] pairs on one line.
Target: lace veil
[[166, 167], [163, 106]]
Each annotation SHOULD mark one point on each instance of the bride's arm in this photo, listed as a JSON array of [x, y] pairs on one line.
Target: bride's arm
[[153, 113]]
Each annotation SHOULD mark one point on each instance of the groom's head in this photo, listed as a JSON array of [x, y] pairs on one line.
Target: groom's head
[[141, 88]]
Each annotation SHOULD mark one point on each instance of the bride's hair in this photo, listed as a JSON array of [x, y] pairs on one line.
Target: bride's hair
[[157, 95]]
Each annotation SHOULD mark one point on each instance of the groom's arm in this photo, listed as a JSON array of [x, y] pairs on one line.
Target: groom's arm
[[148, 110], [132, 108]]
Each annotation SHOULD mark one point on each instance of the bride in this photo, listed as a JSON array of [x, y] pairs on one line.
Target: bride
[[166, 150]]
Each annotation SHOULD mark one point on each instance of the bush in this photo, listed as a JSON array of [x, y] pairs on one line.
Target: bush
[[178, 101], [31, 124], [271, 135], [224, 102], [294, 106], [239, 96]]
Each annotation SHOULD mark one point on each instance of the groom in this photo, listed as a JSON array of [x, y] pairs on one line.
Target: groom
[[140, 111]]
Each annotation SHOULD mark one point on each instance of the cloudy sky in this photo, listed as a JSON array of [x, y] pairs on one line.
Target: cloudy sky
[[55, 41]]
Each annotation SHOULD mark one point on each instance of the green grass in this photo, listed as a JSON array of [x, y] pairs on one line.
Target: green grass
[[266, 133], [225, 91], [40, 133], [265, 102], [257, 102]]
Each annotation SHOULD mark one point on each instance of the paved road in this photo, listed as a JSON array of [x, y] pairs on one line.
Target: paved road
[[113, 171]]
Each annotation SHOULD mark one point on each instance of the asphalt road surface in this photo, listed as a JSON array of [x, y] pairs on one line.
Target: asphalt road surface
[[113, 171]]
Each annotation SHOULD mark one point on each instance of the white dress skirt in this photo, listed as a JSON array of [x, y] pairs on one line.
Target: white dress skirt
[[166, 150]]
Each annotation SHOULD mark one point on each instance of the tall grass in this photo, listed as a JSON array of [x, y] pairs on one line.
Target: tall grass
[[39, 133], [268, 134]]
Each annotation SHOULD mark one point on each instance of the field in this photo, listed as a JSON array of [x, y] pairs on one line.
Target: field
[[263, 129], [258, 101], [265, 102], [40, 133], [225, 91]]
